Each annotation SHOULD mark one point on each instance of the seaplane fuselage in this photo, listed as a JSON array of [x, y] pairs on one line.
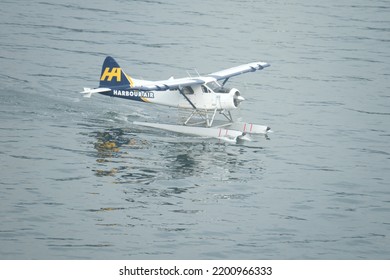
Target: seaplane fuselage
[[203, 97]]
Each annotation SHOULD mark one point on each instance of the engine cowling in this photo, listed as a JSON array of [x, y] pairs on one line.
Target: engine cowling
[[231, 100]]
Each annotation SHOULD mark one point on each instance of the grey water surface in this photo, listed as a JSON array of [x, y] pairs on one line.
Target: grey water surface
[[79, 181]]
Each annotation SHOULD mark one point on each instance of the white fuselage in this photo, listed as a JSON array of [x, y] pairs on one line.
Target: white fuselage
[[204, 97]]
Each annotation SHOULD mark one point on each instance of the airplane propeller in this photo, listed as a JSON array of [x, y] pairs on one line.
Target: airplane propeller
[[237, 98]]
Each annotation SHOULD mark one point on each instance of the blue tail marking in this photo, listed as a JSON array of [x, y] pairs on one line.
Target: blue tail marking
[[112, 75]]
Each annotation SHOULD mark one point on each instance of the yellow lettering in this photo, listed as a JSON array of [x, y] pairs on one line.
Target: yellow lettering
[[107, 74]]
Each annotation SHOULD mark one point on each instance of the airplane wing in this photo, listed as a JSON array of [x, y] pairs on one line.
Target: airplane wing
[[173, 84], [238, 70], [170, 84]]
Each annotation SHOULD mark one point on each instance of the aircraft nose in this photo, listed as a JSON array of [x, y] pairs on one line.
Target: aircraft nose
[[240, 98], [237, 99]]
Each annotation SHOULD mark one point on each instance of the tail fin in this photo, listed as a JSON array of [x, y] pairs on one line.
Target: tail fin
[[112, 75]]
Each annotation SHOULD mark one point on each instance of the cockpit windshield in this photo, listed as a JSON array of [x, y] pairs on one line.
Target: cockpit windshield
[[216, 87]]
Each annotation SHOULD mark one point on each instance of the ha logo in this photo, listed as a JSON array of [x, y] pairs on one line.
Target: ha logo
[[114, 73]]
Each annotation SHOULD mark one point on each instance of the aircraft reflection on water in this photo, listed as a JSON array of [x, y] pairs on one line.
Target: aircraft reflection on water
[[121, 154]]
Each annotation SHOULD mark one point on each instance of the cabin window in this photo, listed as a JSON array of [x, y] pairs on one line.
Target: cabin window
[[214, 86], [187, 90], [205, 89]]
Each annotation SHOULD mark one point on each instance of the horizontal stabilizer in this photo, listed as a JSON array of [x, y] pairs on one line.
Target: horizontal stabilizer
[[88, 91]]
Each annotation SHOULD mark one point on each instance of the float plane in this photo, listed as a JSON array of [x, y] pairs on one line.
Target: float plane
[[204, 97]]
